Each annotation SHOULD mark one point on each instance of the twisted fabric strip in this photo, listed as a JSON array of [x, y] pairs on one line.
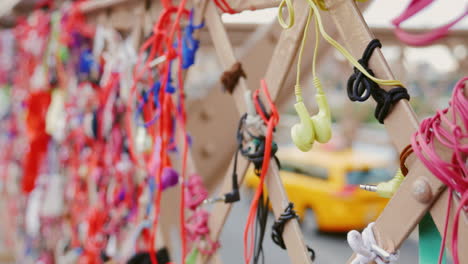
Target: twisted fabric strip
[[405, 153], [360, 87], [278, 228], [366, 248], [231, 77]]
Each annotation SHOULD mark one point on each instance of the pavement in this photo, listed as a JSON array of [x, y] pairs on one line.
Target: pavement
[[329, 248]]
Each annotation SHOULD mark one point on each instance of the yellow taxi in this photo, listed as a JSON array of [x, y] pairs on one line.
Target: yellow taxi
[[327, 182]]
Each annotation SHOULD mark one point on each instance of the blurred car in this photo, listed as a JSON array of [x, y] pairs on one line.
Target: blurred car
[[327, 183]]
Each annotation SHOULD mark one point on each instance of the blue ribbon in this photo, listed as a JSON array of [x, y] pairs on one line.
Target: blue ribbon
[[155, 91], [86, 62], [189, 44]]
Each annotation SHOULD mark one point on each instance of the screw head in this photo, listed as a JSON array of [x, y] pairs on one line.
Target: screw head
[[422, 191]]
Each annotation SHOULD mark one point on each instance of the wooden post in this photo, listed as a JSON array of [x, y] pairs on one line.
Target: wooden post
[[99, 5], [292, 233], [390, 231], [280, 86]]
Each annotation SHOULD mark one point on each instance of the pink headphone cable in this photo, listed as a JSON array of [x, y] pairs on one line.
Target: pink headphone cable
[[452, 134], [423, 39]]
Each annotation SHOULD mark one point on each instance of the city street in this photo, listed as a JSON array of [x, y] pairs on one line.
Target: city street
[[330, 248]]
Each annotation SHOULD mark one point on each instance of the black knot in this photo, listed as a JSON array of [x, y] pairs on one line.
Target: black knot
[[360, 87], [386, 99], [255, 149], [278, 228]]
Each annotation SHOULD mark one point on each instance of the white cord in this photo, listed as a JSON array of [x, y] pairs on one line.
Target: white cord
[[253, 122], [366, 248]]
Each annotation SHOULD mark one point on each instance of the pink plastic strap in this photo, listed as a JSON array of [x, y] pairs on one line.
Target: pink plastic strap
[[453, 134], [423, 39]]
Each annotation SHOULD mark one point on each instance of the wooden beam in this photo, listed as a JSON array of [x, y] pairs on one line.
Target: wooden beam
[[280, 83], [390, 231], [100, 5], [6, 6], [240, 5], [292, 233], [217, 111]]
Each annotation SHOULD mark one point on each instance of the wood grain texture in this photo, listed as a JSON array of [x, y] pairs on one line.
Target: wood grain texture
[[292, 233], [403, 212]]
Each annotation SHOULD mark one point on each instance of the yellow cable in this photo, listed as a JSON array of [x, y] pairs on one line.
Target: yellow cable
[[345, 53], [317, 38], [290, 8], [288, 4], [297, 87], [313, 4]]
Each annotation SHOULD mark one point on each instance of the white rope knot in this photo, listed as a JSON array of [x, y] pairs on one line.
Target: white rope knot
[[366, 248], [253, 123]]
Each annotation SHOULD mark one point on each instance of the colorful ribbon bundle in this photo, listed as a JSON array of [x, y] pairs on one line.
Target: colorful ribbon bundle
[[84, 165], [448, 127], [424, 39]]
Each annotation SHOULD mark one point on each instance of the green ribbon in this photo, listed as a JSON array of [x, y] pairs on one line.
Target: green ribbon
[[192, 257], [429, 241]]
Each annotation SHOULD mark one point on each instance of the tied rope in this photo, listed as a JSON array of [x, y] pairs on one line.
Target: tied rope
[[405, 153], [366, 248], [230, 78], [270, 122], [452, 133], [278, 228], [360, 87], [224, 6]]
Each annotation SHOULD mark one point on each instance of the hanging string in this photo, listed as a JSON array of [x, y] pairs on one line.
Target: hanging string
[[448, 127], [260, 230], [313, 4], [360, 87], [249, 239], [224, 6], [278, 228], [160, 45], [182, 119], [424, 39]]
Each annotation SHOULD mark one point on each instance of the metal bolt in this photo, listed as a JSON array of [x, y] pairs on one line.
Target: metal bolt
[[422, 191]]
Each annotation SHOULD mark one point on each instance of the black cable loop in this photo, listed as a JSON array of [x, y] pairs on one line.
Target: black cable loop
[[278, 228], [254, 155], [360, 87]]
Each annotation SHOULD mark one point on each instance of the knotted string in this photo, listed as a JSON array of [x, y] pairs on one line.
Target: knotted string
[[360, 87], [366, 248], [452, 134], [278, 228], [230, 78]]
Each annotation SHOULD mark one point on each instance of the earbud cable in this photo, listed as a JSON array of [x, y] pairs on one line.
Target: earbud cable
[[317, 84], [297, 87], [329, 39]]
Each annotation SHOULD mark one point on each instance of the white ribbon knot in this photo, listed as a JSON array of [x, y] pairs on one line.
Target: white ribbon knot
[[366, 248]]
